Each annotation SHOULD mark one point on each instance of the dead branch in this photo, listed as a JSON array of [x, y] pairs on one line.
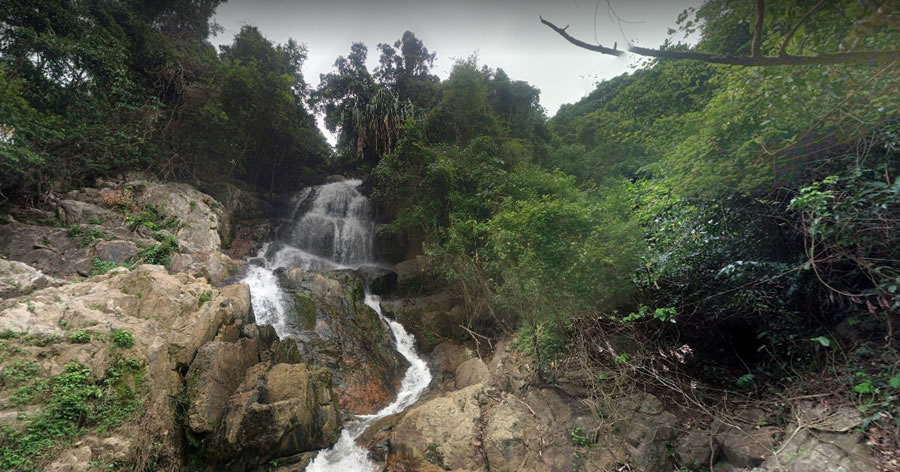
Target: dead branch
[[855, 57]]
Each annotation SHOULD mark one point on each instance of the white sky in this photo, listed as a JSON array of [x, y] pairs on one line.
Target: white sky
[[506, 34]]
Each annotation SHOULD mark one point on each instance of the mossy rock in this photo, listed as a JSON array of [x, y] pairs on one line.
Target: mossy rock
[[286, 352], [304, 310]]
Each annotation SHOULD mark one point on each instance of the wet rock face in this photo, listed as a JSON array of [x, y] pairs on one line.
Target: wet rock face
[[335, 329]]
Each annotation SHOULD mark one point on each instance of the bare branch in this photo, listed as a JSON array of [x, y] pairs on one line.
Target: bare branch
[[580, 43], [758, 29], [858, 57], [790, 35]]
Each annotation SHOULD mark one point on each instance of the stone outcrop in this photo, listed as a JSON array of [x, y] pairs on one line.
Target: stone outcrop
[[72, 212], [17, 279], [97, 229], [204, 222], [277, 411], [169, 318]]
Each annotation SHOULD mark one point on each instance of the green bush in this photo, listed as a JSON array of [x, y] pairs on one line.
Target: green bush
[[85, 237], [100, 267], [122, 338], [159, 253], [80, 337], [153, 218]]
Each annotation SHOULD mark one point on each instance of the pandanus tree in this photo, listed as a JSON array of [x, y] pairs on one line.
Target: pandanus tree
[[377, 123]]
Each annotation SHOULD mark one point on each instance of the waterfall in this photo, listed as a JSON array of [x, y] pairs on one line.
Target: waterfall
[[332, 229]]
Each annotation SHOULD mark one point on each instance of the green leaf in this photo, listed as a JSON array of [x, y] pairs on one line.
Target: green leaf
[[823, 340], [895, 381]]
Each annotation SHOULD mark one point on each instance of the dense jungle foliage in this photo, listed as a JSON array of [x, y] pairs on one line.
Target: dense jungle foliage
[[750, 213], [98, 87]]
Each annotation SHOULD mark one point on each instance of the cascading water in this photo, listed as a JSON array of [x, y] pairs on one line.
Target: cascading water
[[332, 230]]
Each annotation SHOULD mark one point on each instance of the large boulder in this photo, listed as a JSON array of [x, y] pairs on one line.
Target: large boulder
[[471, 372], [444, 431], [212, 265], [204, 222], [51, 250], [215, 373], [813, 451], [334, 328], [17, 279], [446, 358], [276, 411], [648, 429], [743, 442], [379, 280], [77, 212]]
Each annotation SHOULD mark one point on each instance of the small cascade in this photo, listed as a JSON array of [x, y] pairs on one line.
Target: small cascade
[[337, 227], [332, 229]]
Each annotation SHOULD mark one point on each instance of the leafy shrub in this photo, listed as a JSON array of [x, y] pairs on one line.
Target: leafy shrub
[[9, 334], [159, 253], [100, 267], [122, 338], [580, 438], [87, 236], [18, 372], [80, 337], [153, 218]]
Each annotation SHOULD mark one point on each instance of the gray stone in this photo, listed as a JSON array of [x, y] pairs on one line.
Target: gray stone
[[695, 448], [380, 281], [809, 451], [117, 251], [213, 376], [747, 447], [17, 279], [77, 212], [471, 372]]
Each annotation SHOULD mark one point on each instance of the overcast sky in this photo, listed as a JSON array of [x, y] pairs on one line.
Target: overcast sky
[[506, 34]]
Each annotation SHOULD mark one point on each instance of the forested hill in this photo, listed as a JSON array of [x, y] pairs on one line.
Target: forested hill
[[94, 88], [703, 224]]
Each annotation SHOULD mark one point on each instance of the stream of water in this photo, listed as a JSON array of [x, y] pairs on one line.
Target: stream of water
[[332, 229]]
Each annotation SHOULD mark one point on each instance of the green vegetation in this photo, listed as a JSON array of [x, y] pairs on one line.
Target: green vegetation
[[100, 267], [153, 218], [710, 217], [96, 88], [122, 338], [72, 404], [79, 337], [580, 438], [734, 225], [159, 253], [87, 236]]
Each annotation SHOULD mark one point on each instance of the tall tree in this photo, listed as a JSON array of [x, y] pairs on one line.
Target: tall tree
[[405, 68]]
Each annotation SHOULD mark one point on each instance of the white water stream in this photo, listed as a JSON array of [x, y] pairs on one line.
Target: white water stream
[[333, 230]]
